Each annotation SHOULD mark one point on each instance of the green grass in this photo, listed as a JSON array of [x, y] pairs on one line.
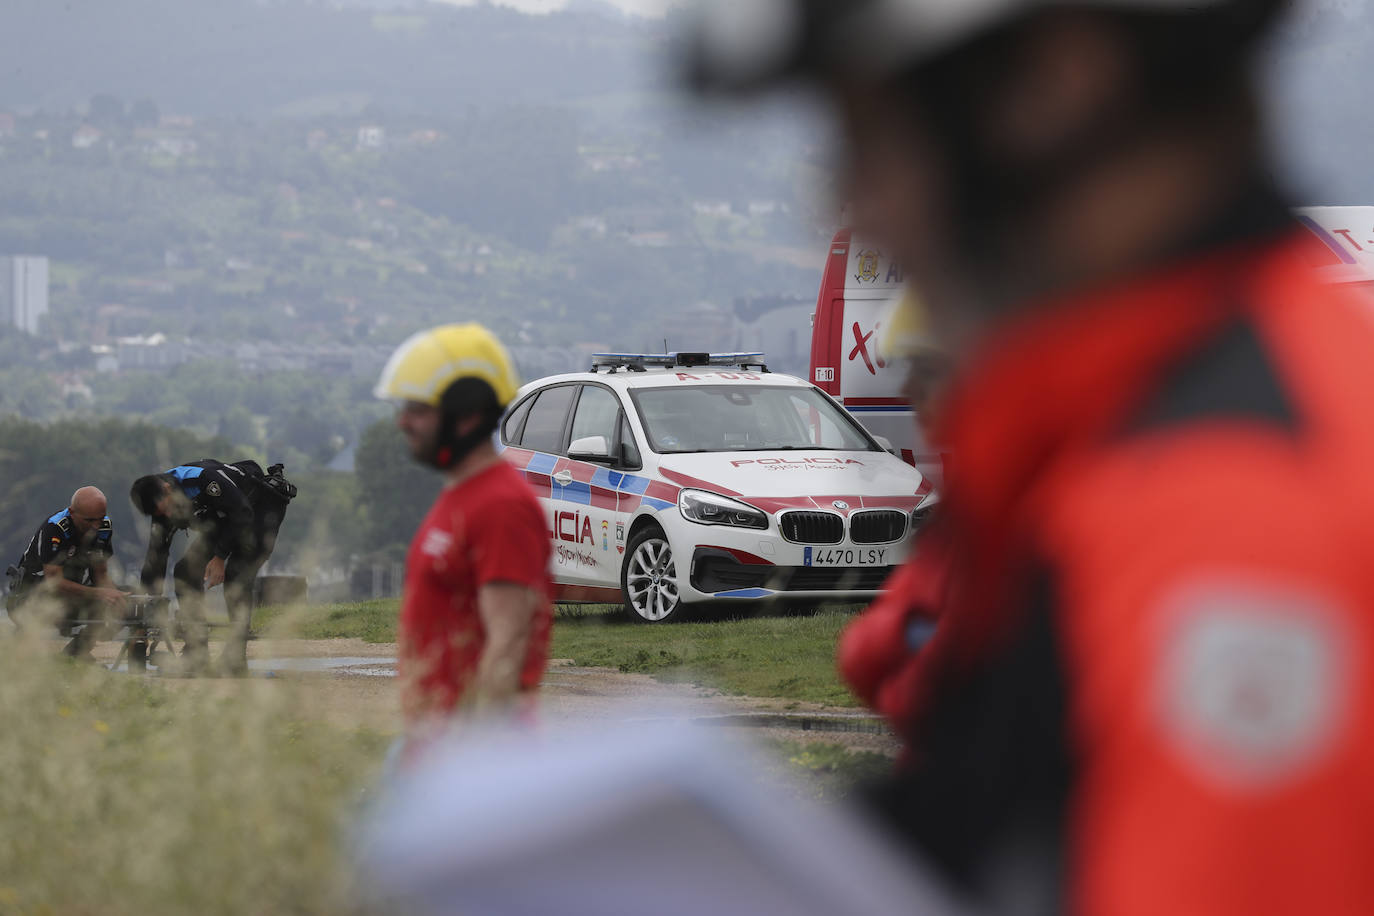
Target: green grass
[[826, 771], [125, 795], [149, 796], [789, 657], [370, 621]]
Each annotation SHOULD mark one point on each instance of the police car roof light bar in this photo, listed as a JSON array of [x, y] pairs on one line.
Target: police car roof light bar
[[639, 362]]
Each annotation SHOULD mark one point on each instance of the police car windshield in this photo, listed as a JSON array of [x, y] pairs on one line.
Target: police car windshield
[[739, 418]]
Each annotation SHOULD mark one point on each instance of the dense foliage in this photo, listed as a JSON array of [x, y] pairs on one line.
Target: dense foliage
[[335, 517], [41, 466]]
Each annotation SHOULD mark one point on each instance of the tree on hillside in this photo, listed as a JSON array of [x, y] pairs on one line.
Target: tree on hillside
[[393, 490], [144, 113], [323, 524], [238, 426], [105, 111], [41, 465]]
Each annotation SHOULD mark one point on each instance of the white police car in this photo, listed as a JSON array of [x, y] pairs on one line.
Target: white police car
[[682, 478]]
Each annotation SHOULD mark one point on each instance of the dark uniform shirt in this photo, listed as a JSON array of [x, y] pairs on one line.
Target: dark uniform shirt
[[56, 543], [220, 511]]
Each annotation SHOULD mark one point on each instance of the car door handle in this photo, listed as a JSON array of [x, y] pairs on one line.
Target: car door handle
[[563, 477]]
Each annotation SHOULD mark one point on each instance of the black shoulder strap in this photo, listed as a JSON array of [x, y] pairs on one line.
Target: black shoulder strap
[[247, 467]]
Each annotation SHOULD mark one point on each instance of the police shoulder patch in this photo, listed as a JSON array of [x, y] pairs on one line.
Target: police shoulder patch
[[213, 488]]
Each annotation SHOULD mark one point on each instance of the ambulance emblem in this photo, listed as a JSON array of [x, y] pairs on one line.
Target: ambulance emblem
[[868, 264]]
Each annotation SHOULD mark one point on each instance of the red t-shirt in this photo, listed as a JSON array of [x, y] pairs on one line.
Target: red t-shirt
[[484, 530]]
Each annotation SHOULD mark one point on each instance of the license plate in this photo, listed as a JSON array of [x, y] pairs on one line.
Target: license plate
[[845, 556]]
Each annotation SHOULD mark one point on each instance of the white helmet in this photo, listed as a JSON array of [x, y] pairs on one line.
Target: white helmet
[[741, 45]]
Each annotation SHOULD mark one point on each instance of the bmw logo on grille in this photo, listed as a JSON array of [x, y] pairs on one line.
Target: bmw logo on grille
[[840, 504]]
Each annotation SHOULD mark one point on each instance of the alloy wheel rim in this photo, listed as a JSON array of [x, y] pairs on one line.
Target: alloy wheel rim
[[651, 580]]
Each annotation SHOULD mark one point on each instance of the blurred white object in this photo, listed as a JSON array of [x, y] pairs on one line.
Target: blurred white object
[[670, 822]]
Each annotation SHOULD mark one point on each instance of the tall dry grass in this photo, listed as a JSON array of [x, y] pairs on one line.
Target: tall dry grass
[[123, 794]]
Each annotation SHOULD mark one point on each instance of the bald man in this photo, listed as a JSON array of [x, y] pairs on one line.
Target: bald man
[[68, 563]]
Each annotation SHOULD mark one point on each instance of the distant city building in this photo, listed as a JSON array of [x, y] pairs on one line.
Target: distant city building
[[370, 136], [86, 136], [154, 351], [23, 291], [717, 208], [173, 146], [767, 207], [780, 327], [699, 326]]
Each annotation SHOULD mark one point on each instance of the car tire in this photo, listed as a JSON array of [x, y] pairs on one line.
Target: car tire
[[648, 578]]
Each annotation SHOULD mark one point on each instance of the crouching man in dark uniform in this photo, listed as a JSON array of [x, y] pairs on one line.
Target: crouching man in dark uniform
[[67, 566], [233, 512]]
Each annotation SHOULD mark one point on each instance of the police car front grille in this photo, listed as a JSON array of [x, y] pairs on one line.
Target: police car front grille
[[882, 526], [812, 527]]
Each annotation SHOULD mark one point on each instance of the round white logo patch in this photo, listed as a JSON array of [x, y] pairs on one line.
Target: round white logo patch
[[1252, 683]]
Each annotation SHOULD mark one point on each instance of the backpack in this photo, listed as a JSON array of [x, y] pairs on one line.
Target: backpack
[[271, 481]]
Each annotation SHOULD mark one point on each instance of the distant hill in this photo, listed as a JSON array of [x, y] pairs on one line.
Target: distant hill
[[238, 57]]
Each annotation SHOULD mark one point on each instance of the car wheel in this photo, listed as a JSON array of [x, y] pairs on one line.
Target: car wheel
[[648, 579]]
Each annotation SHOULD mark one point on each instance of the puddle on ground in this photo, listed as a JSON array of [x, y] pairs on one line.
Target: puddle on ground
[[268, 667], [837, 721], [372, 667]]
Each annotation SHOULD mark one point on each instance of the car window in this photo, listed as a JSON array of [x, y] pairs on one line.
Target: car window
[[728, 418], [544, 425], [510, 430], [629, 449], [597, 412], [822, 430]]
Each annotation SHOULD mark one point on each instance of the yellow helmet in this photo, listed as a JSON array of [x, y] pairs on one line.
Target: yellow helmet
[[429, 362], [906, 328]]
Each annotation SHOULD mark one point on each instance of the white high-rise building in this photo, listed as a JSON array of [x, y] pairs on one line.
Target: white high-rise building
[[23, 291]]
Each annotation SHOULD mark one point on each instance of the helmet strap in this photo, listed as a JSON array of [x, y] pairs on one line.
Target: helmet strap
[[458, 403], [450, 448]]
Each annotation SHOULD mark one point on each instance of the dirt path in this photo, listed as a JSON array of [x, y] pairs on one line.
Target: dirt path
[[350, 683]]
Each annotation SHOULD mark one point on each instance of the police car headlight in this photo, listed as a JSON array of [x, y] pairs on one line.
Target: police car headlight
[[711, 509], [922, 513]]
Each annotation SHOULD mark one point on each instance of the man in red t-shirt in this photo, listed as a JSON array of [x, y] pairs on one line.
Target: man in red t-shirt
[[476, 613]]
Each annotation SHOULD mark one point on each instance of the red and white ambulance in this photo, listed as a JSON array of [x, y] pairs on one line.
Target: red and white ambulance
[[858, 287], [861, 282]]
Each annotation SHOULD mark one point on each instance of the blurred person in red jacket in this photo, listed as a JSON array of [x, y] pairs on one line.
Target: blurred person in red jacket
[[1152, 686], [476, 609]]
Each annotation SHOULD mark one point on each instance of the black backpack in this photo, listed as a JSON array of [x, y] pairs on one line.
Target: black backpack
[[271, 481]]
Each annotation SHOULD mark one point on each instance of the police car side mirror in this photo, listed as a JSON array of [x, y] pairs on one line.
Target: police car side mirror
[[591, 448], [886, 443]]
